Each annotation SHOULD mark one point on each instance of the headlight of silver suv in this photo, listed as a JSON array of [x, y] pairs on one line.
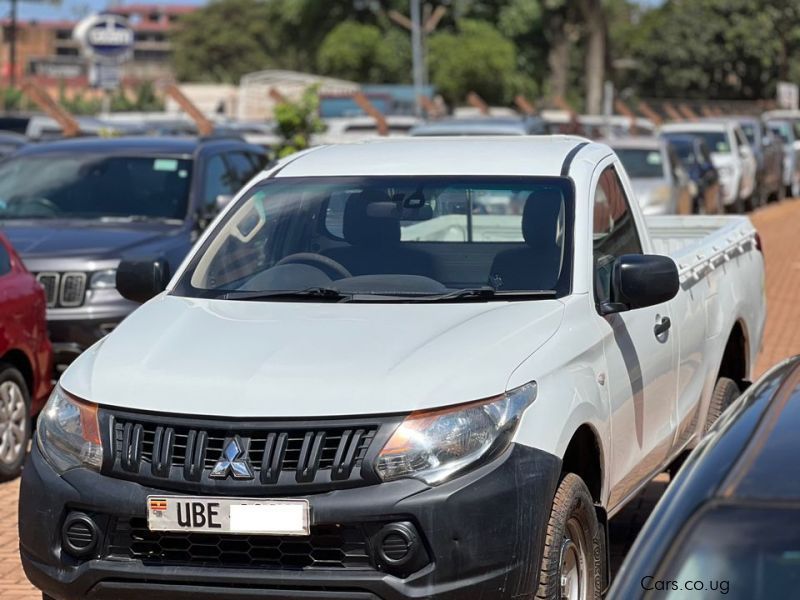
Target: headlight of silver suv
[[103, 280], [434, 445], [68, 433]]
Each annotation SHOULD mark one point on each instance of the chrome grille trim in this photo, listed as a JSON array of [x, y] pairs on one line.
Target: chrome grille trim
[[72, 289], [50, 282]]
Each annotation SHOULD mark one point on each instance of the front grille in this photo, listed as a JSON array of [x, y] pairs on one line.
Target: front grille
[[181, 455], [66, 290], [328, 547], [49, 282], [73, 286]]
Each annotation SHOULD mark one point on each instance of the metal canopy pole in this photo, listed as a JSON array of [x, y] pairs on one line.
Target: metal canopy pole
[[416, 49], [12, 55]]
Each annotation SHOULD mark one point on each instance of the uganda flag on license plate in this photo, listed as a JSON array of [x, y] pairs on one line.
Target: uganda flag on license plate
[[158, 504]]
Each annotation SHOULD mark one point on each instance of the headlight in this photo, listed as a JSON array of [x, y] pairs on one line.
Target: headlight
[[433, 445], [68, 433], [104, 280]]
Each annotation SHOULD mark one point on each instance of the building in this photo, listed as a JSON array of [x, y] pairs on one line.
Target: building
[[47, 51]]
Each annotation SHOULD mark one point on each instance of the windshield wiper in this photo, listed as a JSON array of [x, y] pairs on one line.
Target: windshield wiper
[[138, 219], [488, 293], [315, 293]]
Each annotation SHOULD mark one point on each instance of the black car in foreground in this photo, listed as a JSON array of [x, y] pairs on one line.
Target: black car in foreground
[[75, 208], [729, 525]]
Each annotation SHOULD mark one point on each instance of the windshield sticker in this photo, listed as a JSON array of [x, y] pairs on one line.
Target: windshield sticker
[[183, 173], [165, 164], [654, 158]]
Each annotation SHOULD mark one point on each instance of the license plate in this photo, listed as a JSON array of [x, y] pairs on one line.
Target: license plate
[[228, 515]]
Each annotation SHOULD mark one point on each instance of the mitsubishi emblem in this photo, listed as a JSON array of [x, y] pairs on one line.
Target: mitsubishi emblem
[[233, 461]]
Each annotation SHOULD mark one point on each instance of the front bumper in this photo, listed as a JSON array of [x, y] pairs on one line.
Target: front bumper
[[482, 533]]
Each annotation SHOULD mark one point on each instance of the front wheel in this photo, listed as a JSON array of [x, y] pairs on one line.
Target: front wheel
[[725, 392], [573, 557], [15, 423]]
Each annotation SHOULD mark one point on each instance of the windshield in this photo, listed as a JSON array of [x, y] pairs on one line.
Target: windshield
[[749, 132], [390, 237], [685, 152], [716, 141], [749, 551], [94, 187], [641, 163], [782, 130]]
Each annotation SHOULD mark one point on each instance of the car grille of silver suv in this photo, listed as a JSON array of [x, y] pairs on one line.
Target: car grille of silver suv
[[65, 290]]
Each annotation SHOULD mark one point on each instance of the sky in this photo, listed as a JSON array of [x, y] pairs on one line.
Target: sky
[[72, 9]]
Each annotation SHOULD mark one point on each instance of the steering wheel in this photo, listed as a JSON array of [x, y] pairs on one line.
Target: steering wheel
[[316, 260]]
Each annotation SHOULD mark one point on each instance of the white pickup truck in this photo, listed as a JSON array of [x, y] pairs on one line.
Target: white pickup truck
[[424, 368]]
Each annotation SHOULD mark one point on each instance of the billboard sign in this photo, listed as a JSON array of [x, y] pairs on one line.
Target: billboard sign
[[105, 38]]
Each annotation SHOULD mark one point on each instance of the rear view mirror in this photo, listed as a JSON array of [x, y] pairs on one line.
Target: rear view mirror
[[640, 280], [140, 280]]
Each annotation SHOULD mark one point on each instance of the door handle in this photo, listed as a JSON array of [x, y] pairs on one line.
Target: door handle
[[662, 326]]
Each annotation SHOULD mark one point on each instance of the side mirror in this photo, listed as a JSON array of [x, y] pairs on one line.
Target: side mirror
[[222, 201], [640, 280], [140, 280]]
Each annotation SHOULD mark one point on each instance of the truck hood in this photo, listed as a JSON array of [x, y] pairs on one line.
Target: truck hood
[[69, 238], [303, 359]]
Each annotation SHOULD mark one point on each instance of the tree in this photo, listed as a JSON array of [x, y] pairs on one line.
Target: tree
[[298, 121], [475, 58], [365, 53], [713, 48]]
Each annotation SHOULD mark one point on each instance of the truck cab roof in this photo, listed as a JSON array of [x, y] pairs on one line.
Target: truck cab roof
[[500, 155]]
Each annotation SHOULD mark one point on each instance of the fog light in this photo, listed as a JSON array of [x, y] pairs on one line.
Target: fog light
[[79, 535], [399, 549]]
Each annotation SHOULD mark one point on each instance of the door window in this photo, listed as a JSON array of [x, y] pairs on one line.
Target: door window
[[218, 180], [614, 231], [5, 261], [242, 167]]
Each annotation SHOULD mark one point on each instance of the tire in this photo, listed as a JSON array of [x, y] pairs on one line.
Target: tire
[[15, 422], [780, 194], [573, 546], [725, 392]]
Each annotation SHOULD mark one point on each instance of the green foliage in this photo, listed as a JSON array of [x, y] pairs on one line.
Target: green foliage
[[365, 53], [12, 99], [712, 48], [142, 98], [297, 121], [476, 58]]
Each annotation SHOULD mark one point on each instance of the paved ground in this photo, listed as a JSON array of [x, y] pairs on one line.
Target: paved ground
[[778, 225]]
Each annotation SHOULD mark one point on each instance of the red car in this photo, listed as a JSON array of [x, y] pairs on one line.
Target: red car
[[25, 358]]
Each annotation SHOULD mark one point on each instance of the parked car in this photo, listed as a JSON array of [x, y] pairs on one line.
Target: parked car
[[696, 160], [597, 126], [423, 393], [731, 154], [660, 183], [768, 150], [74, 209], [727, 525], [481, 126], [789, 133], [25, 358], [340, 130]]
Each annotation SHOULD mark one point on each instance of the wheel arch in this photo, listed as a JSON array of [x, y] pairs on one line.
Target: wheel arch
[[735, 361], [20, 361]]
